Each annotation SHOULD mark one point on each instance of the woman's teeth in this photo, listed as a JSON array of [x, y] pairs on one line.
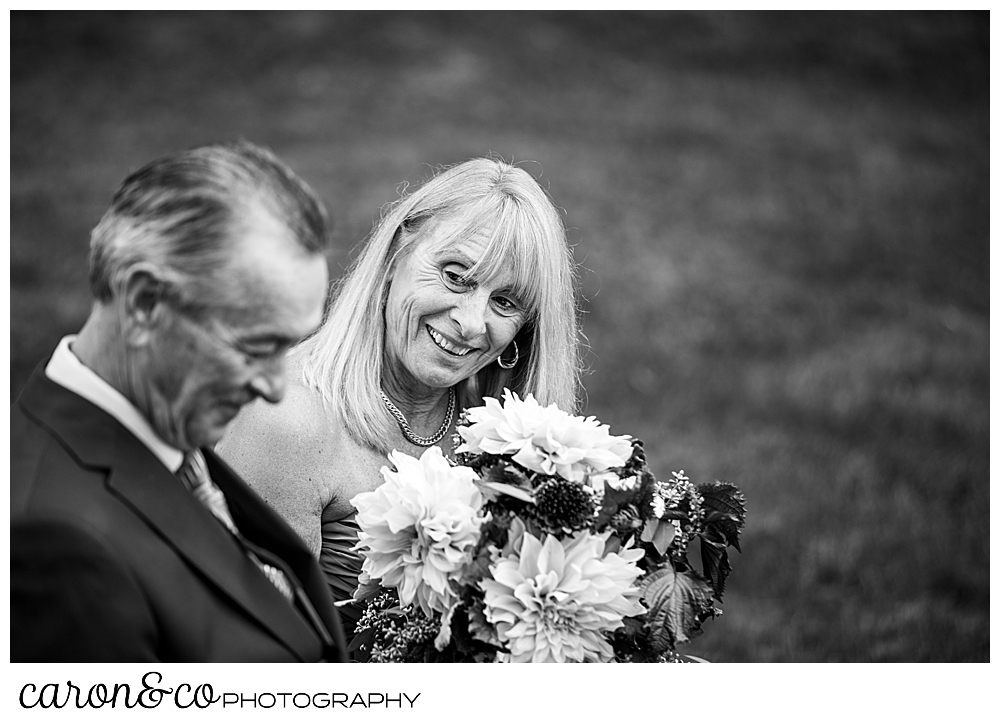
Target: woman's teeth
[[447, 345]]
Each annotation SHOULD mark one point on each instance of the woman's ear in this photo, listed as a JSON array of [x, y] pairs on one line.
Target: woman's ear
[[392, 255]]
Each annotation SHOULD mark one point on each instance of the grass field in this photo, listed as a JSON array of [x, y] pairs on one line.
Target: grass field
[[782, 219]]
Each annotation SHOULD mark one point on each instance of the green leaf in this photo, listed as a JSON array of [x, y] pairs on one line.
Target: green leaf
[[649, 529], [489, 495], [362, 640], [479, 627], [678, 603], [716, 516], [612, 501], [367, 590], [656, 591], [478, 567], [533, 528], [689, 606], [715, 565], [660, 533], [658, 585], [727, 500], [633, 628], [506, 479], [507, 474], [665, 532], [511, 490]]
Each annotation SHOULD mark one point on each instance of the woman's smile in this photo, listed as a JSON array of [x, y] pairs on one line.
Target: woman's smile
[[446, 345], [444, 323]]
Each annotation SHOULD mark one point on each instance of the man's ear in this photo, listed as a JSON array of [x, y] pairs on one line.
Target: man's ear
[[143, 308]]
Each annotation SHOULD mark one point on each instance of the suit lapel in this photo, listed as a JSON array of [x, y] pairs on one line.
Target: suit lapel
[[139, 478], [261, 526], [195, 533]]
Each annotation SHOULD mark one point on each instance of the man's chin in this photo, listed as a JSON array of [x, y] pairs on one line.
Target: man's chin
[[208, 440], [210, 431]]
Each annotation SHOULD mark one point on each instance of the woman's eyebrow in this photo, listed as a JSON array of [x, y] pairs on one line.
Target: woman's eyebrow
[[457, 255], [453, 255]]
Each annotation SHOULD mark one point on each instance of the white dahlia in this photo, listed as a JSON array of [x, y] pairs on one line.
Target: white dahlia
[[543, 439], [553, 602], [419, 528]]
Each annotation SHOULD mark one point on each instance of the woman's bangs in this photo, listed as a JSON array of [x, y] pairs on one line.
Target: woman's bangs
[[513, 253]]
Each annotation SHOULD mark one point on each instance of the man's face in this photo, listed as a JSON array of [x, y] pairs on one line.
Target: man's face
[[201, 370]]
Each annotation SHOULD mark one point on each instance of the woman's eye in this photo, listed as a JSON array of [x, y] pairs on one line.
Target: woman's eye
[[505, 304], [456, 278]]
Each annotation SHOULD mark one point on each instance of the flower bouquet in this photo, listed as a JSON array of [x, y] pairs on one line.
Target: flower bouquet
[[549, 541]]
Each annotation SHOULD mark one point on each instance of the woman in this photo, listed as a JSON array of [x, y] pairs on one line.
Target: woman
[[466, 286]]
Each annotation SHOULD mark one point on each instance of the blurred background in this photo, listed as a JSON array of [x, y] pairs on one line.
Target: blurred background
[[782, 221]]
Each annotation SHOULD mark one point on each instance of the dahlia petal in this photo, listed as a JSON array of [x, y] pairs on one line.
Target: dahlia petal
[[419, 528]]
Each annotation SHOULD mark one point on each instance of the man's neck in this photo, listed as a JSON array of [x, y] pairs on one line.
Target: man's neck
[[99, 345]]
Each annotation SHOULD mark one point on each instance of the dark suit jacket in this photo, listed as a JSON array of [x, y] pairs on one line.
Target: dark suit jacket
[[112, 559]]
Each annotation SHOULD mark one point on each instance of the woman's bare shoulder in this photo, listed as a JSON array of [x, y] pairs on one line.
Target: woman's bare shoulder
[[285, 447]]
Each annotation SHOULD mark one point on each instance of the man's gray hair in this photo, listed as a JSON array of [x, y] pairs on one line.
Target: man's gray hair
[[183, 213]]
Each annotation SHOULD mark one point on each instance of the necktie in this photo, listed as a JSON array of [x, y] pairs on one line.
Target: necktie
[[194, 473]]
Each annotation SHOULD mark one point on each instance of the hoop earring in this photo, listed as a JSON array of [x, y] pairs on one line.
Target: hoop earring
[[513, 363]]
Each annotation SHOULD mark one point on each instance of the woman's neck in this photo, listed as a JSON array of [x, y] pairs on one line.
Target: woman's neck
[[424, 407]]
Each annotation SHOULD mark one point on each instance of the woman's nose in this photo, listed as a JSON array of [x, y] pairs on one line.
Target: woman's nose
[[470, 314]]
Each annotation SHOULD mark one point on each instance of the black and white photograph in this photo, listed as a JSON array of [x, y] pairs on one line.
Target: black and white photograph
[[498, 336]]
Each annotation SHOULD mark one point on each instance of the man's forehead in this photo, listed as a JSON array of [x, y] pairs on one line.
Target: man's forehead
[[267, 259]]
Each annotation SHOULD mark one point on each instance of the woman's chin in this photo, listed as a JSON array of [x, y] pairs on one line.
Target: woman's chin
[[453, 377]]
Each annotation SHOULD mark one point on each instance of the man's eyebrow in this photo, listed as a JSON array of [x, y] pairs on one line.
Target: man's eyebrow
[[267, 338]]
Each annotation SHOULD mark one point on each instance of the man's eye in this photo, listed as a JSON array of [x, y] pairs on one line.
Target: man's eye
[[263, 350]]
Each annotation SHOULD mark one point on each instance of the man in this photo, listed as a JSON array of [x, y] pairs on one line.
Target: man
[[130, 539]]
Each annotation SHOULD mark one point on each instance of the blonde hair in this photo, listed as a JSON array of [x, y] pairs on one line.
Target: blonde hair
[[343, 359]]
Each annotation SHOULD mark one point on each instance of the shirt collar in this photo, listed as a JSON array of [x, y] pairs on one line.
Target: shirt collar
[[66, 370]]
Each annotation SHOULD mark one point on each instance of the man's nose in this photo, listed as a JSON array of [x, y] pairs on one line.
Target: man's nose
[[269, 381]]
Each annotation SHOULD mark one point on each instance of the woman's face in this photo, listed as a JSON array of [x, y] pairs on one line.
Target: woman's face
[[441, 325]]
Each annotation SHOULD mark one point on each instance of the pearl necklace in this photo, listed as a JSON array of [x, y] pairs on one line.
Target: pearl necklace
[[405, 427]]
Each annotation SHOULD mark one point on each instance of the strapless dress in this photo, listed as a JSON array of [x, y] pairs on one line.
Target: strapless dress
[[342, 567]]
